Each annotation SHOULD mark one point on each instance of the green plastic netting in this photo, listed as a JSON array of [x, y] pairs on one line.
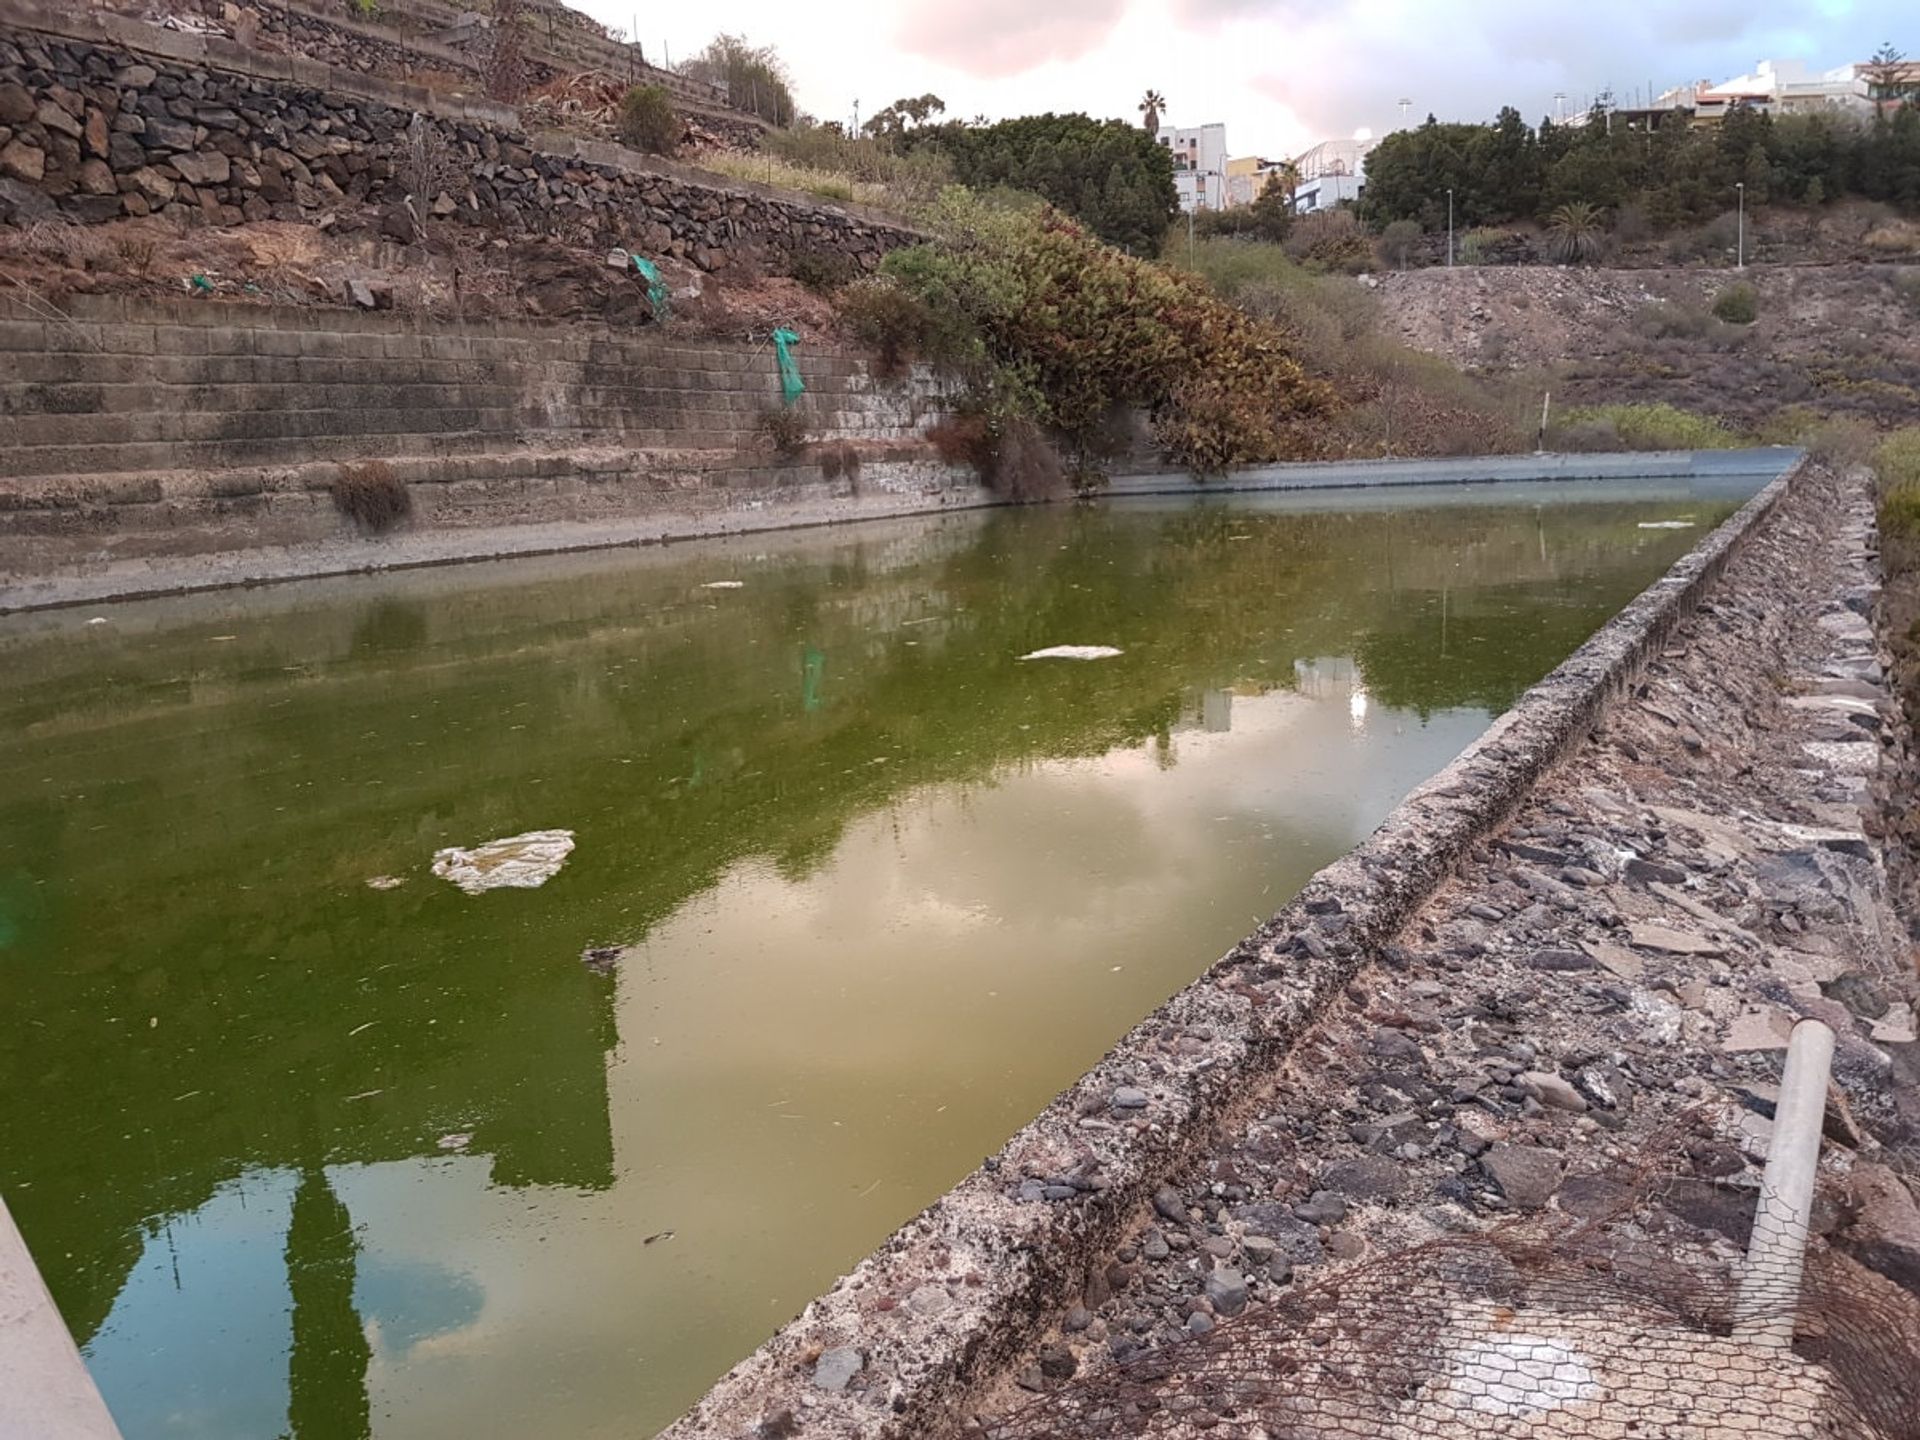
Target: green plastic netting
[[792, 387], [656, 286]]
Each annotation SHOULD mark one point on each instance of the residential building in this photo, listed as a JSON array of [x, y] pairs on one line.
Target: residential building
[[1784, 87], [1331, 172], [1199, 165]]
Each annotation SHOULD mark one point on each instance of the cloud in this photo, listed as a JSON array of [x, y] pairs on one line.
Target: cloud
[[1348, 64], [1007, 37]]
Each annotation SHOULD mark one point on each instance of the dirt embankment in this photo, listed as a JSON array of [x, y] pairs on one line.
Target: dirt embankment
[[1839, 339]]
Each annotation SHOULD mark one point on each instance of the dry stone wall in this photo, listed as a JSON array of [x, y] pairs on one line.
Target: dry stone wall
[[102, 118]]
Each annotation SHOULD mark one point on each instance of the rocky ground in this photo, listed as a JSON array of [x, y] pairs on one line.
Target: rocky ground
[[1836, 339], [448, 276], [1607, 985]]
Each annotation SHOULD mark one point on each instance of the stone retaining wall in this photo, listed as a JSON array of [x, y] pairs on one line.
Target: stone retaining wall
[[136, 428], [102, 117], [906, 1343]]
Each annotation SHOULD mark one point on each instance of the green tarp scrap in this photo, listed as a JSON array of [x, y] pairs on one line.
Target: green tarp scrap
[[656, 287], [792, 387]]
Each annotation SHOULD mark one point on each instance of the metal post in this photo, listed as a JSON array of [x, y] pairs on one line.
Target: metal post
[[44, 1385], [1740, 252], [1449, 228], [1770, 1281]]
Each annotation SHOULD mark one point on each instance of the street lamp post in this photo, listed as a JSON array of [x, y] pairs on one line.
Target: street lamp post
[[1740, 243], [1449, 228]]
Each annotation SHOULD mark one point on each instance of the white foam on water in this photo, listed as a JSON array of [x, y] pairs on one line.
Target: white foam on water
[[724, 585], [385, 882], [1074, 652], [1666, 524], [519, 862]]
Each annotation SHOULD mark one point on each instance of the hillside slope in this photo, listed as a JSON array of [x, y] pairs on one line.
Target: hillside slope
[[1837, 339]]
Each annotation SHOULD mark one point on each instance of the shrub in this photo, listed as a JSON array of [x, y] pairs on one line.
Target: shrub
[[1669, 320], [823, 271], [1397, 242], [785, 428], [1738, 304], [1575, 233], [371, 496], [896, 326], [1842, 441], [1053, 327], [1476, 246], [649, 122], [1010, 455], [1331, 240], [837, 461], [1897, 463], [1639, 427], [1631, 225]]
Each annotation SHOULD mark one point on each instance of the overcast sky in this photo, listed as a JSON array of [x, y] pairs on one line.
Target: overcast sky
[[1282, 74]]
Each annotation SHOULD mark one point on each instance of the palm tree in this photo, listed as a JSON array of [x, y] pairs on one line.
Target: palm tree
[[1288, 174], [1151, 104], [1576, 232]]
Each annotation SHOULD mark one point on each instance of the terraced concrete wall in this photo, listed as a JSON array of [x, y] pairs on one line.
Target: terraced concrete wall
[[137, 428]]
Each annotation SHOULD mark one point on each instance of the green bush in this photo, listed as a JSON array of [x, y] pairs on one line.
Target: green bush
[[1397, 242], [1332, 240], [897, 327], [1738, 304], [1897, 463], [1639, 427], [1051, 326], [648, 120], [823, 271], [1670, 320], [1477, 245]]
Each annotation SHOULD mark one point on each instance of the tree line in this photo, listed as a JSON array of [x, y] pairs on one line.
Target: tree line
[[1674, 172]]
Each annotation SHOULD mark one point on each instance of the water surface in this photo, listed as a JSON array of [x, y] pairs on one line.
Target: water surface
[[300, 1156]]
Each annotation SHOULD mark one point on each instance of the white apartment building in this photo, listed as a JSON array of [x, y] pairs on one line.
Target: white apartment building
[[1199, 165]]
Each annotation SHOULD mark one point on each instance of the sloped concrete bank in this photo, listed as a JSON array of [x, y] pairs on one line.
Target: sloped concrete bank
[[916, 1337]]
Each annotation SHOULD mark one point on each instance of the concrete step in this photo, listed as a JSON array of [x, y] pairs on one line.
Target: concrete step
[[65, 504]]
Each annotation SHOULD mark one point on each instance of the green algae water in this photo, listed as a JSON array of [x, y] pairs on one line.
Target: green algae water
[[310, 1141]]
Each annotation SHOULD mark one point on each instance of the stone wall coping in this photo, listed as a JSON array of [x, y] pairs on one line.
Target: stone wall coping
[[933, 1316], [366, 29], [99, 27]]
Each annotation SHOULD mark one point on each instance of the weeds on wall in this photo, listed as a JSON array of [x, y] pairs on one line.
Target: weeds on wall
[[371, 496], [840, 462], [785, 429]]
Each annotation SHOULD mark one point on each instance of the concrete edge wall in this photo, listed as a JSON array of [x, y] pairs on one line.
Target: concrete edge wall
[[98, 27], [1357, 474], [935, 1314]]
